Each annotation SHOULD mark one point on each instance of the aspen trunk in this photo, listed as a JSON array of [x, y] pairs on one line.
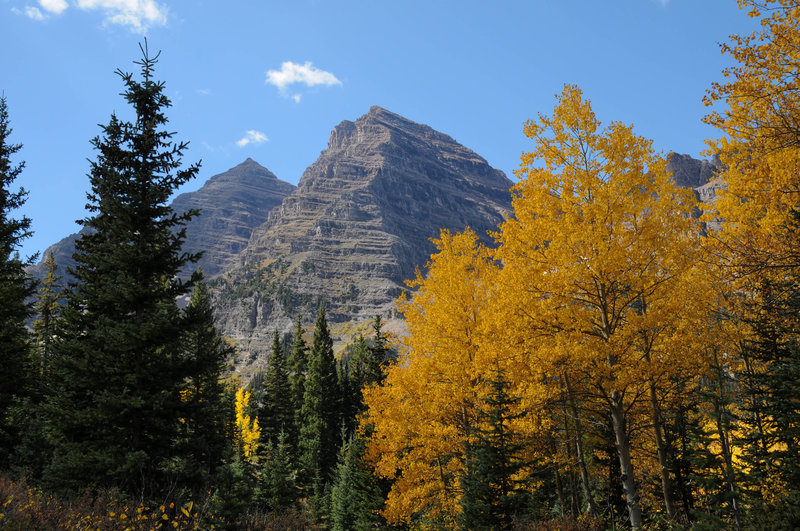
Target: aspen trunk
[[587, 493], [727, 455], [661, 447], [570, 472], [626, 467]]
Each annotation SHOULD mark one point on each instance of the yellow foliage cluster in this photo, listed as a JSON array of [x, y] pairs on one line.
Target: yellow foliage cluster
[[588, 282], [761, 146], [248, 432]]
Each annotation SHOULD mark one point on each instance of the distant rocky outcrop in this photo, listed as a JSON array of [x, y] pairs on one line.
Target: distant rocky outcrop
[[356, 227], [231, 205], [690, 172], [700, 175]]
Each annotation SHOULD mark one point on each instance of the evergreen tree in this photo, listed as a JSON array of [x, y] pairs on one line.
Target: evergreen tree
[[277, 411], [206, 412], [319, 414], [381, 353], [349, 394], [365, 367], [771, 379], [15, 288], [48, 309], [493, 497], [298, 365], [277, 490], [355, 497], [32, 452], [119, 367]]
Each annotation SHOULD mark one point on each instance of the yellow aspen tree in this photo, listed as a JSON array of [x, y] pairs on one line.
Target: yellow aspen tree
[[420, 418], [761, 147], [595, 260], [248, 431]]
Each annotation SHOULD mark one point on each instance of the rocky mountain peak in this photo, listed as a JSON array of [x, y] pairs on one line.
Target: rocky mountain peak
[[231, 205], [357, 226]]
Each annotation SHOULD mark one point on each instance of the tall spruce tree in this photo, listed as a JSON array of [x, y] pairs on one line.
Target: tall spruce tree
[[277, 411], [119, 368], [320, 412], [15, 288], [356, 496], [48, 309], [298, 365], [206, 413]]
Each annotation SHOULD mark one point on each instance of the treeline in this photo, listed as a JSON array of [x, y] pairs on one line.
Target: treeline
[[119, 408]]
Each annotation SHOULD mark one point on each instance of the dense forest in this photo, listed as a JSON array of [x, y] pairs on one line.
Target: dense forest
[[609, 361]]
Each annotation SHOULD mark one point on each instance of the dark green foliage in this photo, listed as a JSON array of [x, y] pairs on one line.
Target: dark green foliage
[[365, 367], [120, 364], [233, 495], [716, 499], [48, 310], [277, 490], [207, 414], [320, 416], [492, 498], [771, 380], [276, 414], [298, 367], [356, 497], [15, 287]]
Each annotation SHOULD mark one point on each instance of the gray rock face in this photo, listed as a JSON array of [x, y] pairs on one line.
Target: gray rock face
[[232, 204], [701, 176], [690, 172], [357, 226]]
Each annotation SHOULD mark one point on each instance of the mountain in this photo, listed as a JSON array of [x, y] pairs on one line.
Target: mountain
[[356, 227], [690, 172], [231, 205], [701, 176]]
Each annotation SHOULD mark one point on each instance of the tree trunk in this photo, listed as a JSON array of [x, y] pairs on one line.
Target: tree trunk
[[626, 467], [587, 493], [661, 447], [570, 471]]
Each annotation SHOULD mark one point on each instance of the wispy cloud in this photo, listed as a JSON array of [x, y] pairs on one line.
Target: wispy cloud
[[305, 74], [33, 13], [138, 15], [252, 137]]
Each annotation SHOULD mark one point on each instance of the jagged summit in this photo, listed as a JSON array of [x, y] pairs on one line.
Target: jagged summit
[[358, 225]]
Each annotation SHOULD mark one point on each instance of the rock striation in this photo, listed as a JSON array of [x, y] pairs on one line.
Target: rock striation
[[356, 227], [231, 205]]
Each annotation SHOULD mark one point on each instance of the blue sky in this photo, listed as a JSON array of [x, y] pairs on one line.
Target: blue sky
[[269, 80]]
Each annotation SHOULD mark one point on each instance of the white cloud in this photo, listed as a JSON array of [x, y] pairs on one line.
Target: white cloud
[[252, 137], [32, 13], [139, 15], [296, 98], [291, 73], [54, 6]]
